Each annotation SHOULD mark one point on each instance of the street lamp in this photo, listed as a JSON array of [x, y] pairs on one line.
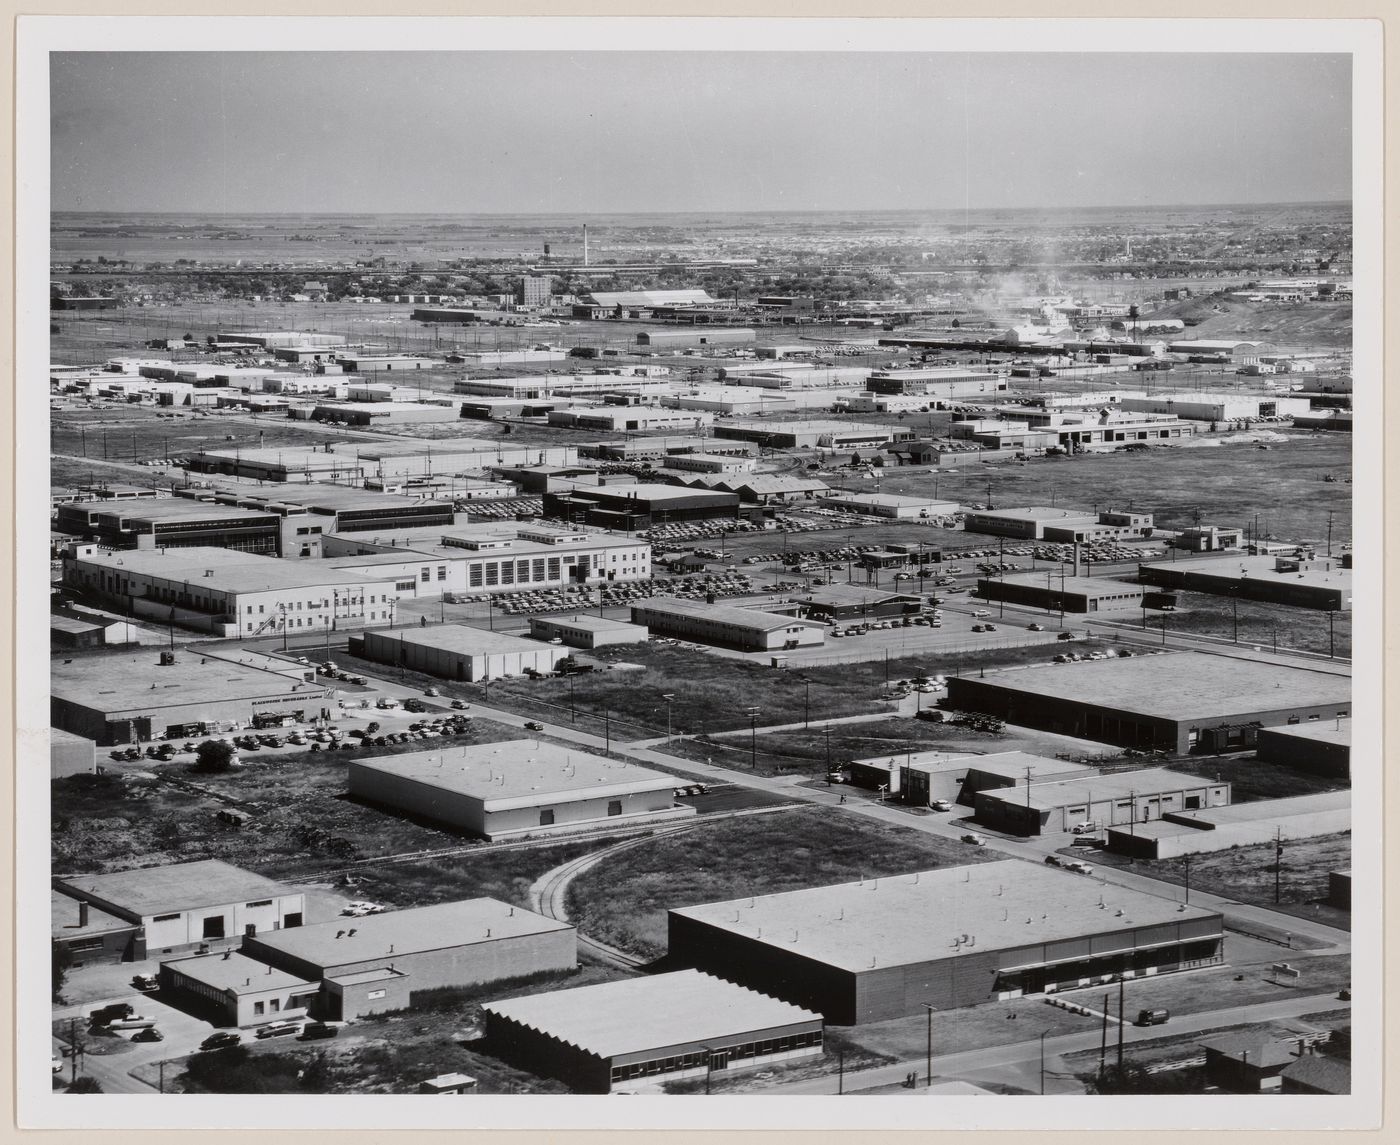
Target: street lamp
[[928, 1053], [807, 704], [1042, 1061], [669, 697], [753, 737]]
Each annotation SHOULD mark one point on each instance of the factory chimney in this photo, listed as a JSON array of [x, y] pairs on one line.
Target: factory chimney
[[585, 244]]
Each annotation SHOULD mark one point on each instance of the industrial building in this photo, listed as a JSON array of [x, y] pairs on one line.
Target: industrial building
[[1181, 702], [375, 963], [86, 936], [458, 652], [727, 626], [686, 336], [632, 508], [273, 339], [1238, 825], [814, 434], [875, 949], [353, 462], [855, 602], [588, 632], [936, 382], [1306, 581], [1216, 407], [517, 788], [645, 1031], [186, 905], [303, 463], [235, 990], [1323, 747], [172, 522], [490, 558], [379, 414], [123, 698], [629, 419], [724, 463], [1078, 594], [1239, 352], [543, 386], [232, 594], [900, 508], [70, 754], [1106, 800], [1042, 523], [920, 777]]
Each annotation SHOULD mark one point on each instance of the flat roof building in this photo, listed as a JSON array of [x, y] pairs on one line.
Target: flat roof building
[[745, 629], [376, 962], [629, 419], [645, 1031], [814, 434], [630, 508], [171, 522], [232, 593], [1179, 702], [1040, 522], [124, 698], [187, 905], [235, 990], [459, 652], [697, 336], [1196, 406], [1238, 825], [854, 602], [888, 505], [70, 754], [1324, 747], [1077, 594], [90, 936], [1305, 582], [875, 949], [1108, 799], [581, 631], [518, 788]]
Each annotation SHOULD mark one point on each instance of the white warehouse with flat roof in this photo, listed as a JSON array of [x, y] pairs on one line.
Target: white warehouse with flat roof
[[517, 788]]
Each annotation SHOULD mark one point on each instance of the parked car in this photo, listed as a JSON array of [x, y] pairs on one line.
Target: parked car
[[535, 726], [974, 839], [981, 612], [279, 1030], [149, 1034], [222, 1040], [460, 705], [414, 705], [1035, 627], [313, 1030], [111, 1013], [1053, 860], [146, 983], [133, 1022], [941, 805], [1079, 868], [1153, 1017], [431, 691]]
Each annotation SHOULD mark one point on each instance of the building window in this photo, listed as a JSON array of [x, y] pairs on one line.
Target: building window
[[442, 572], [547, 818], [474, 576], [260, 902], [425, 575], [374, 994], [274, 1004], [165, 918], [405, 586], [614, 806], [258, 1008]]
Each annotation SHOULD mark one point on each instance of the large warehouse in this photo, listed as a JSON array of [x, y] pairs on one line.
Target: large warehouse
[[172, 522], [1123, 797], [376, 962], [645, 1031], [186, 905], [459, 652], [1180, 702], [123, 698], [582, 631], [233, 594], [631, 508], [882, 948], [727, 626], [1239, 825], [1042, 522], [517, 788], [814, 434], [1324, 747], [1078, 594], [235, 990], [1317, 582]]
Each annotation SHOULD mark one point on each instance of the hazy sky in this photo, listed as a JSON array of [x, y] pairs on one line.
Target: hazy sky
[[551, 132]]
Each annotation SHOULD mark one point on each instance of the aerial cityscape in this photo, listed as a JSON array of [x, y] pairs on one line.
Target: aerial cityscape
[[708, 649]]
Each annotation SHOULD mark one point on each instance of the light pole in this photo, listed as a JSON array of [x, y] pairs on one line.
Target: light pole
[[669, 697], [928, 1050], [807, 705], [1042, 1061], [753, 738]]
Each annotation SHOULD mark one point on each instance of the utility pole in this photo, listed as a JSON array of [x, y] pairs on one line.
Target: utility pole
[[827, 733], [1329, 531], [840, 1071], [573, 712], [807, 705], [753, 738], [1042, 1061], [1103, 1040], [1120, 1024], [1186, 861], [669, 697], [928, 1053], [1278, 862], [607, 731]]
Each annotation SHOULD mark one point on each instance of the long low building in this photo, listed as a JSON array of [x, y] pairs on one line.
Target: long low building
[[1324, 747], [517, 788], [378, 962], [814, 434], [184, 906], [1124, 797], [1306, 582], [1180, 702], [459, 652], [837, 601], [235, 990], [875, 949], [631, 508], [1239, 825], [124, 698], [629, 419], [1078, 594], [888, 505], [644, 1031], [232, 594], [727, 626], [173, 522], [1040, 522], [581, 631]]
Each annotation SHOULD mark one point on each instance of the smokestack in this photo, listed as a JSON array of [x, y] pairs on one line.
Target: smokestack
[[82, 914]]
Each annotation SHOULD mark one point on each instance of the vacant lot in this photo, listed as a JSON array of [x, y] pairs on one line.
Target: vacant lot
[[1246, 874], [1264, 625], [624, 900], [1222, 485], [301, 819]]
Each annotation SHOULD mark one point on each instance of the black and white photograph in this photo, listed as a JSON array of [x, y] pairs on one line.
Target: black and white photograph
[[699, 560]]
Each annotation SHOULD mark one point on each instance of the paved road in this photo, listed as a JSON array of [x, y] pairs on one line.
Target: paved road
[[986, 1064]]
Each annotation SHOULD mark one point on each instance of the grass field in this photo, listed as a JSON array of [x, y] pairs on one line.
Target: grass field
[[301, 818], [1251, 779], [624, 900], [1265, 625], [1246, 874], [1226, 485]]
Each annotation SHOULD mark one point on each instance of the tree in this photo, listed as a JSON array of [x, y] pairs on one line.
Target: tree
[[213, 756], [86, 1085], [62, 960]]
